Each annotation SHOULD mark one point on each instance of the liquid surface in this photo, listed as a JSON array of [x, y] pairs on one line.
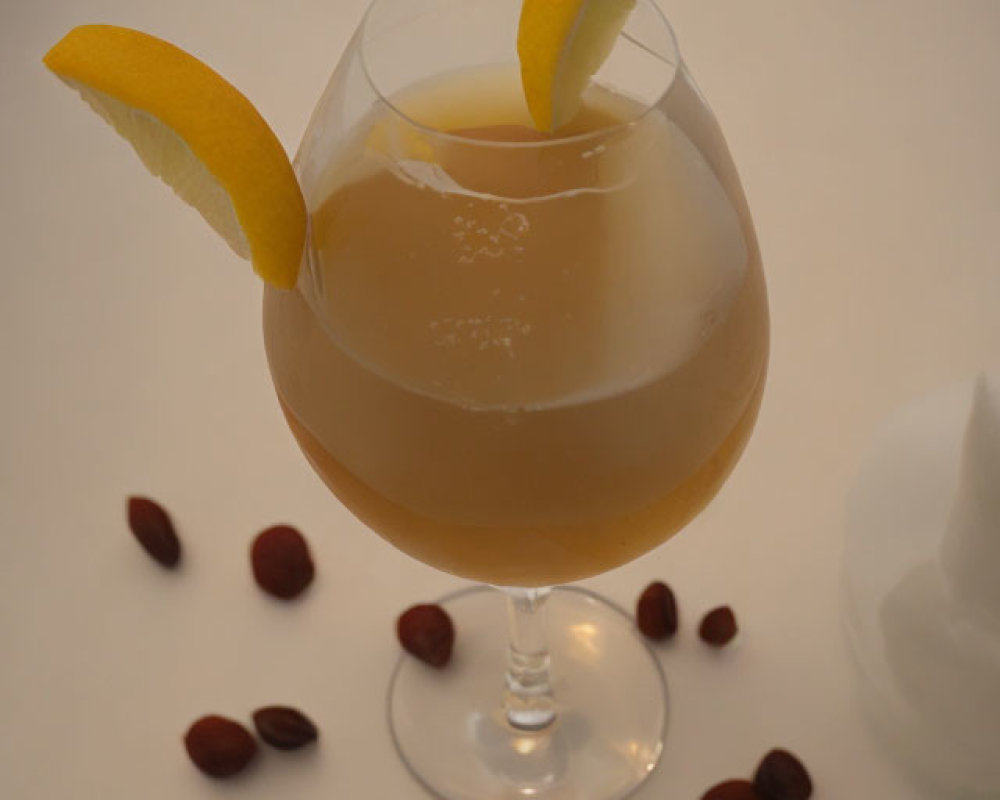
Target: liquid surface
[[523, 362]]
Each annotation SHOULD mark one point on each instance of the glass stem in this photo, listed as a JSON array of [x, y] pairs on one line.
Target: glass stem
[[529, 703]]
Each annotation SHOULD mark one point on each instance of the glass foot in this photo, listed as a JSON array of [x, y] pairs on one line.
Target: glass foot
[[451, 732]]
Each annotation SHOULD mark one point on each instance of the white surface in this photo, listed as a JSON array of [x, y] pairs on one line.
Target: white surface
[[865, 132]]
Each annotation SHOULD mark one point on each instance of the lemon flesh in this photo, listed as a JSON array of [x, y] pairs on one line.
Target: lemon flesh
[[561, 44], [194, 130]]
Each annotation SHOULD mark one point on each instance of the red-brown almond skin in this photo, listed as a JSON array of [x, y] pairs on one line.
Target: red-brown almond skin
[[284, 727], [151, 526], [732, 790], [718, 627], [781, 776], [282, 564], [427, 632], [219, 747], [656, 611]]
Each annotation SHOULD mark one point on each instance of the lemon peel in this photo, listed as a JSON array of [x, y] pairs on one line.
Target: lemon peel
[[196, 132], [560, 45]]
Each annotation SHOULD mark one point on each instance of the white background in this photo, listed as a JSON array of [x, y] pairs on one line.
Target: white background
[[130, 348]]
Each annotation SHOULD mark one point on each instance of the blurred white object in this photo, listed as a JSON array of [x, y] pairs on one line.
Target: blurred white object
[[971, 549], [922, 587]]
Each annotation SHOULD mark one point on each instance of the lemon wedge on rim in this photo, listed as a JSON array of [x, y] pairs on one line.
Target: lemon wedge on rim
[[561, 44], [194, 130]]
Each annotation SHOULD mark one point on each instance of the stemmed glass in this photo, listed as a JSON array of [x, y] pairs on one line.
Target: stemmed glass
[[525, 360]]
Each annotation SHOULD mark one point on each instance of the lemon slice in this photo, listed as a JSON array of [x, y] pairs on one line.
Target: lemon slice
[[561, 44], [196, 132]]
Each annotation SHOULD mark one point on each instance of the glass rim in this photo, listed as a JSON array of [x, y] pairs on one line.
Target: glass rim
[[556, 141]]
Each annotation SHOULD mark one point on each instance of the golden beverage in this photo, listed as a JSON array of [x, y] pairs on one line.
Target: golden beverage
[[521, 360]]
